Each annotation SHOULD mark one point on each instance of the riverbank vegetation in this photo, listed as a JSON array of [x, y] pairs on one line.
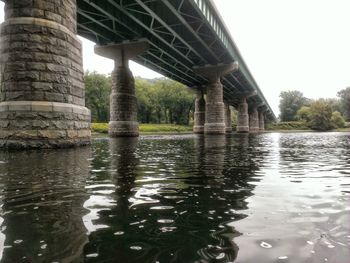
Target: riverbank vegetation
[[168, 106], [301, 113], [160, 101], [147, 128]]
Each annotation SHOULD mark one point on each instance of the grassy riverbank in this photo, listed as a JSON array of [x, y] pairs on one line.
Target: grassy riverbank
[[147, 128], [295, 126]]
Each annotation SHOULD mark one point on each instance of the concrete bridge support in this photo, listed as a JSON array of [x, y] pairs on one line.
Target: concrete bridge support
[[214, 110], [42, 103], [261, 120], [199, 113], [228, 120], [253, 119], [243, 116], [123, 102]]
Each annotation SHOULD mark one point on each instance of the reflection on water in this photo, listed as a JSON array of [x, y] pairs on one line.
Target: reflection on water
[[42, 193], [239, 198]]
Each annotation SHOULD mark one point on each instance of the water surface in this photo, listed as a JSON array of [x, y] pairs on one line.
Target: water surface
[[240, 198]]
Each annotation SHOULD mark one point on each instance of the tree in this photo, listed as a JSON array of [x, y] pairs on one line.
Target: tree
[[338, 120], [320, 116], [304, 113], [97, 91], [290, 103], [344, 96], [163, 101]]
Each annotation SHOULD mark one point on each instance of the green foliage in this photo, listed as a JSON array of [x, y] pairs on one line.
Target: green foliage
[[335, 104], [303, 114], [338, 120], [234, 119], [320, 116], [344, 96], [159, 100], [146, 128], [287, 125], [166, 128], [99, 127], [163, 101], [97, 91], [290, 103]]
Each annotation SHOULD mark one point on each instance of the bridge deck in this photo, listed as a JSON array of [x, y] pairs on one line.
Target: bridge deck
[[182, 34]]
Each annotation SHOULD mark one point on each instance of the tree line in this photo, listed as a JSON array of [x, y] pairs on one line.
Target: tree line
[[159, 100], [321, 114]]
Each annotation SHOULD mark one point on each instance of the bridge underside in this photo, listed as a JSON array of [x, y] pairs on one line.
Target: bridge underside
[[42, 102], [182, 35]]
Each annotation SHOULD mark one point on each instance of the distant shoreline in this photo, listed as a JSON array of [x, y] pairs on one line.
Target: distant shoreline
[[170, 129]]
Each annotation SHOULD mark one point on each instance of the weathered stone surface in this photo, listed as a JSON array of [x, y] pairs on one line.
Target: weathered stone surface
[[214, 110], [123, 104], [199, 113], [261, 120], [243, 116], [42, 88], [253, 119], [228, 120]]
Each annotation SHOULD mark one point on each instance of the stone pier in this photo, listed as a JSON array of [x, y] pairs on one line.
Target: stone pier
[[261, 119], [214, 108], [42, 101], [243, 116], [253, 119], [199, 112], [123, 102], [228, 120]]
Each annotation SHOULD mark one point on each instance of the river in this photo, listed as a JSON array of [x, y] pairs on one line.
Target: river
[[271, 197]]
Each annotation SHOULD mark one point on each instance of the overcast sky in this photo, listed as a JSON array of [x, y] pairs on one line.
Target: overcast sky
[[287, 44]]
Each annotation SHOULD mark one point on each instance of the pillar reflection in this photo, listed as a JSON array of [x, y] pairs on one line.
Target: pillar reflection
[[42, 205]]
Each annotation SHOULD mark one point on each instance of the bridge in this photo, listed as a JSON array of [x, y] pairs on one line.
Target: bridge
[[42, 90]]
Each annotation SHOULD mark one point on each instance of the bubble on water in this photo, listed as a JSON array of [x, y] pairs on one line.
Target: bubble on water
[[135, 247], [167, 229], [265, 244], [283, 257], [220, 256], [165, 221], [119, 233], [161, 207], [43, 246], [92, 255]]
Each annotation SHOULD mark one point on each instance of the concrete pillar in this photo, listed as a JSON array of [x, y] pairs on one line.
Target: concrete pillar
[[261, 120], [214, 108], [243, 116], [42, 101], [199, 113], [123, 102], [253, 119], [228, 120]]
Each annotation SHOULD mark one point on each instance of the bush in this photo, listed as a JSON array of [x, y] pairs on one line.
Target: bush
[[338, 120], [99, 127], [320, 116]]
